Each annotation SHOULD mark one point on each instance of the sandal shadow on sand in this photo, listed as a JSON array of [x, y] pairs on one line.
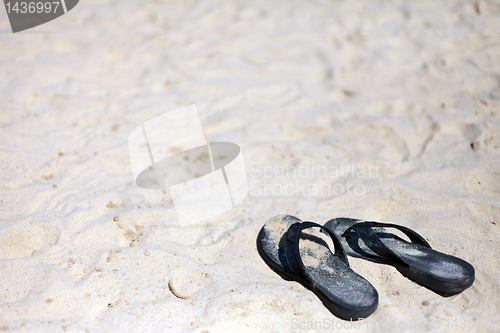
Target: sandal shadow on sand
[[415, 259], [306, 258]]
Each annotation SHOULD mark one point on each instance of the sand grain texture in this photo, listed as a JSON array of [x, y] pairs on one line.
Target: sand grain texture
[[410, 89]]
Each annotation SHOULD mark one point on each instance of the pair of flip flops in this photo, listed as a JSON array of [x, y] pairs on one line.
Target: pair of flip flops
[[307, 258]]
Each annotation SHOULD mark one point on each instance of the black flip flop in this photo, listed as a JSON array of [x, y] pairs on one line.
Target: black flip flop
[[307, 259], [415, 260]]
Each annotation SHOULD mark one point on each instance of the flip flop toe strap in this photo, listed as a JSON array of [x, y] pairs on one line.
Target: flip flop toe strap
[[371, 239], [293, 251]]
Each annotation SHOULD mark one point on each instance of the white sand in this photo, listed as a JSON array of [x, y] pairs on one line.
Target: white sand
[[401, 87]]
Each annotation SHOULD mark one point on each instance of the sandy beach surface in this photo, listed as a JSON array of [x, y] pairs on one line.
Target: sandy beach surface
[[377, 110]]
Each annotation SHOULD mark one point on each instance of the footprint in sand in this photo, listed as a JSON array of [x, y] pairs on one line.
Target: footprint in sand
[[480, 180], [24, 240], [187, 281], [486, 211], [484, 181], [471, 131]]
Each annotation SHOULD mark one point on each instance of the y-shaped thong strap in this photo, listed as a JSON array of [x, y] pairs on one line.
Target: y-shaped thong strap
[[369, 236], [293, 251]]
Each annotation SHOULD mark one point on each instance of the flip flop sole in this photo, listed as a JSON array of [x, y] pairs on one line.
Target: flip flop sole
[[346, 294], [268, 245], [435, 270]]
